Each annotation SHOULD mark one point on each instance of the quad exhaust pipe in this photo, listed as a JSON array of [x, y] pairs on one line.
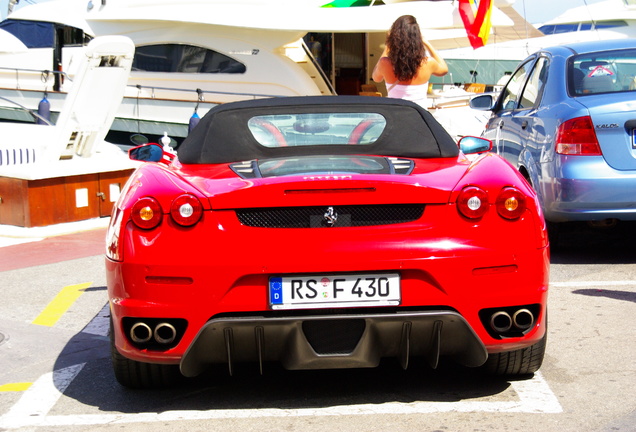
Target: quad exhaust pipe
[[164, 333], [523, 319], [502, 322], [140, 332]]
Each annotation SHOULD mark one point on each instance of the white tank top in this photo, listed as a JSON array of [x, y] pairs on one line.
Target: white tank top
[[416, 93]]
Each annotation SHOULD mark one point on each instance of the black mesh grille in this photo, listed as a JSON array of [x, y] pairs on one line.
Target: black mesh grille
[[334, 336], [315, 217]]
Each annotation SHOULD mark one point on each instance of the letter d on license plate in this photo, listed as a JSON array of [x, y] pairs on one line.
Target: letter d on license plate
[[327, 291]]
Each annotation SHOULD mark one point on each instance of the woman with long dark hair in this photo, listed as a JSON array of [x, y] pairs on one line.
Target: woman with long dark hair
[[405, 66]]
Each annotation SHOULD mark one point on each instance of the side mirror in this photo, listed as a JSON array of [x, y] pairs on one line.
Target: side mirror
[[473, 145], [147, 153], [484, 102]]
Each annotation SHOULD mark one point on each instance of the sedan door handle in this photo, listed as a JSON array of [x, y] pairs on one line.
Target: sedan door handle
[[501, 124]]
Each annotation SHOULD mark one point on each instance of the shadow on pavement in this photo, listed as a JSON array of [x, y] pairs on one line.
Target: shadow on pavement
[[581, 244]]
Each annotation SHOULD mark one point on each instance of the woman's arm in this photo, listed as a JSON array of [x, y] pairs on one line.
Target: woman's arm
[[440, 67], [379, 71]]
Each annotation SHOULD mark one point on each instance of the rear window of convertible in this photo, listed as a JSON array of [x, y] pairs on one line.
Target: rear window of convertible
[[307, 129]]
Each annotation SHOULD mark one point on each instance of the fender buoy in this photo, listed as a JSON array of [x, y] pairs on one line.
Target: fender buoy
[[44, 111], [194, 120]]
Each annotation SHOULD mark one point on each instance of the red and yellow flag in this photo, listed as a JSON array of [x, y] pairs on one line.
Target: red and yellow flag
[[476, 17]]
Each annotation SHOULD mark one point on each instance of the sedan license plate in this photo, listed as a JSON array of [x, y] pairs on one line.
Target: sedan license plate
[[634, 138], [332, 291]]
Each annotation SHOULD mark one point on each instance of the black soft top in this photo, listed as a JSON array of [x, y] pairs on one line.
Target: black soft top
[[223, 136]]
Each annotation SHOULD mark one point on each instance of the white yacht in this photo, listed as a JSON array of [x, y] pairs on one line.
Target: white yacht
[[67, 172], [193, 54], [609, 19]]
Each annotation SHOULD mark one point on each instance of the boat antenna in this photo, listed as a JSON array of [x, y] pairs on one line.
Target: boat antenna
[[587, 8], [11, 5]]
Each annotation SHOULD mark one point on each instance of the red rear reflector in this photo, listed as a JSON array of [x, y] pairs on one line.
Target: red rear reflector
[[169, 280], [577, 137], [482, 271], [324, 191]]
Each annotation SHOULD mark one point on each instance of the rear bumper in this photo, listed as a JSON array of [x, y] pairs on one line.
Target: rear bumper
[[222, 291], [335, 341], [585, 188]]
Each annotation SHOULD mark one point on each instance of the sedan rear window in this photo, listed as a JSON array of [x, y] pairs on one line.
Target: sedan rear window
[[602, 72], [307, 129]]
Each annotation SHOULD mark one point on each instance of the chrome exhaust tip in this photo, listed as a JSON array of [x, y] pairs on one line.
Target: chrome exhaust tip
[[523, 319], [165, 333], [501, 322], [140, 332]]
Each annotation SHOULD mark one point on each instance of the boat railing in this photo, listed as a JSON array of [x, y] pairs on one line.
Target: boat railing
[[37, 117], [47, 77], [200, 94]]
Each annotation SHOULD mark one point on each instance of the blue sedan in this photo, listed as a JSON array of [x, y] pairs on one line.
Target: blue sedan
[[567, 120]]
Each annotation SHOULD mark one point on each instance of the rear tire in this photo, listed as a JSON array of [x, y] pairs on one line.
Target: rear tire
[[519, 362], [139, 375]]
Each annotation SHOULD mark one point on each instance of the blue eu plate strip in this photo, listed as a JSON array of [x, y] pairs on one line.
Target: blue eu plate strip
[[276, 290]]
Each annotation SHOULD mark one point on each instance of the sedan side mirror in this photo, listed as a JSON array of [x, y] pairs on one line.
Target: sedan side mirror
[[473, 145]]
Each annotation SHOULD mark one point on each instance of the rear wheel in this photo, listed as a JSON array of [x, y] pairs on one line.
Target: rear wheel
[[519, 362], [139, 375]]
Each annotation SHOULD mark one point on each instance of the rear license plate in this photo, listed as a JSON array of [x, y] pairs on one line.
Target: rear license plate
[[327, 291], [634, 138]]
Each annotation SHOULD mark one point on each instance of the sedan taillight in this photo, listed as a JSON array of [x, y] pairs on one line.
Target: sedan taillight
[[146, 213], [577, 137]]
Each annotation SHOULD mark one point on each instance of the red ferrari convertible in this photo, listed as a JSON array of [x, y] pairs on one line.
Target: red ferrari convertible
[[324, 232]]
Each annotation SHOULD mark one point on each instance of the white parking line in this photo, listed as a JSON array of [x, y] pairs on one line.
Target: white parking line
[[534, 396], [40, 398], [577, 284]]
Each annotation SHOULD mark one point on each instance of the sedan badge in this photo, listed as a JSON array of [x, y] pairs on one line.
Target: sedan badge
[[330, 216]]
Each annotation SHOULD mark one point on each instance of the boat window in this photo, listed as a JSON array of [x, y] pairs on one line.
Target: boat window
[[567, 28], [33, 34], [38, 34], [610, 24], [72, 36], [602, 72], [317, 129], [184, 59]]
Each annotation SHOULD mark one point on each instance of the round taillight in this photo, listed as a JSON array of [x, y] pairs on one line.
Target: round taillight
[[511, 203], [186, 210], [472, 202], [146, 213]]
